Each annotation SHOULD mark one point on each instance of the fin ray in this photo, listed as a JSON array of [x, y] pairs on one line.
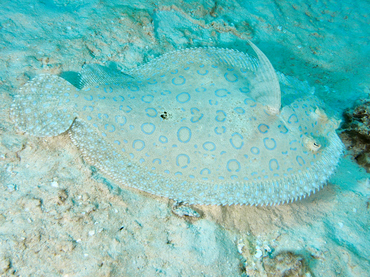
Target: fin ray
[[96, 74], [42, 107]]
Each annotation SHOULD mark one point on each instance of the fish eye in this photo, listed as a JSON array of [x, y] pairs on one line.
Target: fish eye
[[312, 144]]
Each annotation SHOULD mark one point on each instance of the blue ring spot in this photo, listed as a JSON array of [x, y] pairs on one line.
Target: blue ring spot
[[119, 121], [152, 82], [90, 107], [233, 161], [244, 90], [145, 126], [147, 98], [133, 88], [255, 150], [218, 132], [232, 81], [122, 98], [293, 148], [294, 117], [195, 118], [184, 134], [274, 165], [178, 83], [300, 160], [157, 160], [284, 128], [269, 147], [205, 169], [239, 110], [89, 117], [129, 109], [151, 112], [263, 128], [163, 139], [251, 100], [187, 160], [89, 99], [232, 143], [166, 92], [200, 89], [111, 127], [183, 97], [104, 114], [206, 72], [209, 146], [220, 118], [138, 144], [219, 92], [110, 90]]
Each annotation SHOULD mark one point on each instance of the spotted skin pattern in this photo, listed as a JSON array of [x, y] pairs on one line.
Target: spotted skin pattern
[[193, 125]]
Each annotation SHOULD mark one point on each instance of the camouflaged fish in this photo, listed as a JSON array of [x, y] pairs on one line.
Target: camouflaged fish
[[200, 125]]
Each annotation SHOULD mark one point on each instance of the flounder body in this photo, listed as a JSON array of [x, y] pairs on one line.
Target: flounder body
[[201, 126]]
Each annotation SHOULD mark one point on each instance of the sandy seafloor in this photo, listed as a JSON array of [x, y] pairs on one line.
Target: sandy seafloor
[[61, 217]]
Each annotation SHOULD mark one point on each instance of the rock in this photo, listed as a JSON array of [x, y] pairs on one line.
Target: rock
[[356, 132], [286, 264]]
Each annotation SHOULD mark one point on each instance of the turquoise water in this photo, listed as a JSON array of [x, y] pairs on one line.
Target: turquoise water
[[59, 216]]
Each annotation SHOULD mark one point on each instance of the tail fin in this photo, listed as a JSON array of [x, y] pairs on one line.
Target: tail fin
[[266, 85], [44, 106]]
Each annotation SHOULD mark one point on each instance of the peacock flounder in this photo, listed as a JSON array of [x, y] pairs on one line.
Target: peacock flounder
[[201, 126]]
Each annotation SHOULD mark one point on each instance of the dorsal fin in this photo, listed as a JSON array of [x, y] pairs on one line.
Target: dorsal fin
[[265, 83], [266, 88]]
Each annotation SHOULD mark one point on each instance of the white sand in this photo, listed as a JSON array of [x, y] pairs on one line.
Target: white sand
[[60, 217]]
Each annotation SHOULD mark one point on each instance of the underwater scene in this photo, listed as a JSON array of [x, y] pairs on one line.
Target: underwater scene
[[184, 138]]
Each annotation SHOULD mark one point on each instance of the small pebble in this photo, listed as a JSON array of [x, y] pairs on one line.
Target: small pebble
[[11, 188], [54, 184], [258, 253]]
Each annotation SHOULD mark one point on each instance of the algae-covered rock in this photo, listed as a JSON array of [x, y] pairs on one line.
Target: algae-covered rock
[[286, 264], [356, 132]]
